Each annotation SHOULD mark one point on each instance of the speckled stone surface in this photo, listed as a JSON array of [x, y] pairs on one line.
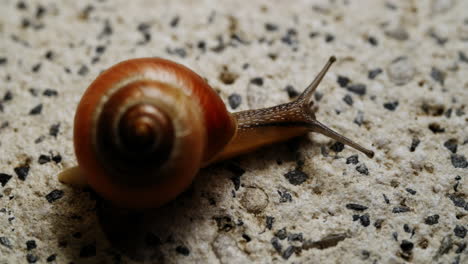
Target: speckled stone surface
[[400, 86]]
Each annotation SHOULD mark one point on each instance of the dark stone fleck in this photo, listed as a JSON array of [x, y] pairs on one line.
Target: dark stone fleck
[[356, 217], [373, 73], [326, 242], [57, 158], [414, 144], [269, 222], [395, 236], [282, 233], [22, 172], [288, 252], [276, 244], [461, 248], [8, 96], [54, 195], [348, 99], [40, 11], [54, 129], [362, 169], [271, 27], [234, 100], [378, 223], [3, 60], [152, 240], [432, 220], [463, 57], [353, 159], [387, 201], [406, 228], [438, 75], [290, 37], [391, 105], [296, 177], [458, 161], [31, 258], [257, 81], [175, 21], [236, 181], [292, 93], [224, 223], [411, 191], [373, 41], [4, 178], [100, 49], [445, 245], [337, 147], [359, 89], [400, 209], [448, 113], [5, 242], [457, 200], [318, 96], [313, 34], [43, 159], [284, 196], [296, 237], [183, 250], [83, 70], [460, 231], [246, 237], [365, 220], [451, 145], [49, 55], [343, 81], [36, 110], [436, 128], [50, 92], [406, 245], [356, 207], [34, 92], [31, 244], [88, 251], [329, 38], [51, 258], [36, 67], [107, 30]]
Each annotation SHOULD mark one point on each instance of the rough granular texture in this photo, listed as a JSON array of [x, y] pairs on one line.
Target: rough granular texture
[[399, 86]]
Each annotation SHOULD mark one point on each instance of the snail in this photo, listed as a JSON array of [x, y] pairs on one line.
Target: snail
[[145, 126]]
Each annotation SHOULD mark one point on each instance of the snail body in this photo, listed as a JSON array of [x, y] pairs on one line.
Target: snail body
[[144, 128]]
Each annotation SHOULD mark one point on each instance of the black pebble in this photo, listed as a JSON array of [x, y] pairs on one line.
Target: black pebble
[[432, 220], [276, 244], [49, 55], [400, 209], [373, 73], [391, 105], [246, 237], [295, 237], [234, 100], [257, 81], [460, 231], [356, 217], [282, 233], [457, 200], [83, 70], [406, 228], [463, 57], [8, 96], [175, 21], [373, 41], [88, 251], [269, 222], [285, 196], [343, 81], [362, 169], [436, 128], [43, 159], [50, 92], [183, 250], [271, 27], [365, 220], [51, 257], [348, 99], [359, 89], [296, 177], [54, 195], [411, 191], [458, 161], [451, 145], [57, 158], [406, 245], [438, 75], [337, 147], [353, 159], [5, 242], [22, 172], [31, 258], [36, 110], [54, 129], [356, 207], [329, 38], [4, 178], [288, 252], [31, 244], [414, 144], [292, 93], [36, 67]]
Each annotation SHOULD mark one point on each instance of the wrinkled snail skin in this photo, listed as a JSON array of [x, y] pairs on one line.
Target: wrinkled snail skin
[[145, 127]]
